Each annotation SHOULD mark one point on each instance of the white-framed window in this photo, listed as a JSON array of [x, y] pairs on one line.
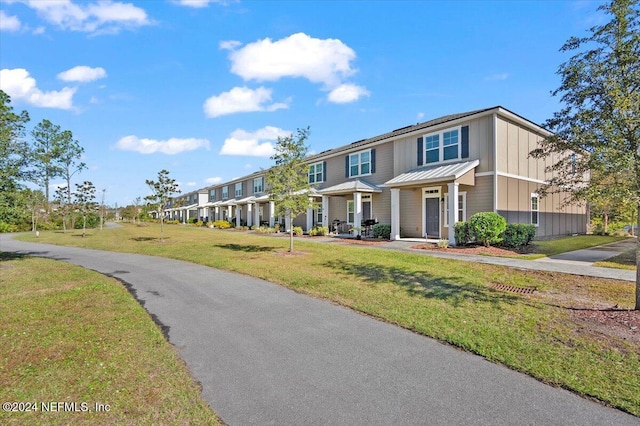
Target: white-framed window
[[212, 195], [238, 192], [316, 173], [225, 192], [360, 163], [443, 145], [319, 215], [462, 208], [258, 185], [535, 209], [351, 212]]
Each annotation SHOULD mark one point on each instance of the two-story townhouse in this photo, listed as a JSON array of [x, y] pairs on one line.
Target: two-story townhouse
[[420, 179]]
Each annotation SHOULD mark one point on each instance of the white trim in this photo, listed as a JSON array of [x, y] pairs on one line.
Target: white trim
[[440, 134], [462, 194], [315, 173], [431, 192], [485, 174], [537, 210], [528, 179], [352, 202], [359, 154], [495, 162]]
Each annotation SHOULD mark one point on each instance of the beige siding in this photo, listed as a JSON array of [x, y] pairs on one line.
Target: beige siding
[[411, 212], [480, 196]]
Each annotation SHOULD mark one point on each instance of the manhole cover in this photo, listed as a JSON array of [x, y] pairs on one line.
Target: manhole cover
[[513, 289]]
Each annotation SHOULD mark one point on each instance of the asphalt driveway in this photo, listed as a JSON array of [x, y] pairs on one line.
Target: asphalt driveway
[[267, 355]]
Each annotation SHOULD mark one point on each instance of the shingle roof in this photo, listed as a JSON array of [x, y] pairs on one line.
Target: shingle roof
[[433, 174]]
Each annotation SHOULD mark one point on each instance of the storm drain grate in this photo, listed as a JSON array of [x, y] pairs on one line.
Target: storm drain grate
[[513, 289]]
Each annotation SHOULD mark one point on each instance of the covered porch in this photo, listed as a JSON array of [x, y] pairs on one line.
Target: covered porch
[[356, 198], [439, 210]]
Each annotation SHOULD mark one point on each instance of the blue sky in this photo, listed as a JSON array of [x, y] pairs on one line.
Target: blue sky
[[204, 88]]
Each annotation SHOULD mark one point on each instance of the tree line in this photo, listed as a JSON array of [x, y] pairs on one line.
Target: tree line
[[39, 157]]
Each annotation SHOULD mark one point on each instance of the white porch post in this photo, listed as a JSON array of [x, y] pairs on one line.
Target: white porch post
[[238, 212], [216, 213], [249, 215], [309, 217], [325, 211], [272, 209], [357, 212], [256, 214], [395, 213], [229, 213], [453, 211]]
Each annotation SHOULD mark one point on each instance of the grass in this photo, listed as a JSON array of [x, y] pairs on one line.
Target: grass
[[562, 245], [72, 335], [449, 300], [626, 260]]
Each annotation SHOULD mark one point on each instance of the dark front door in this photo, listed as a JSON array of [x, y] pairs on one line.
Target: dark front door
[[433, 217]]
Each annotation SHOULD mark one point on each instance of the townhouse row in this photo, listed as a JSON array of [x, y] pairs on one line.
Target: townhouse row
[[419, 179]]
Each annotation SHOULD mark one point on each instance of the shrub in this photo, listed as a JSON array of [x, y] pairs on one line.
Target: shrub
[[297, 231], [198, 223], [318, 231], [265, 230], [443, 243], [518, 235], [221, 224], [462, 233], [486, 227], [382, 231], [7, 227]]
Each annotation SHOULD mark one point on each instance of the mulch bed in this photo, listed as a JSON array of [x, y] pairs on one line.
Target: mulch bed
[[487, 251]]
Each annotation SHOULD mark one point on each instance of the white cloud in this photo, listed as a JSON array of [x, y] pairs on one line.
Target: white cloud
[[494, 77], [190, 183], [100, 17], [21, 86], [213, 180], [420, 115], [346, 93], [229, 44], [241, 99], [9, 23], [254, 144], [196, 4], [82, 74], [170, 147], [325, 61]]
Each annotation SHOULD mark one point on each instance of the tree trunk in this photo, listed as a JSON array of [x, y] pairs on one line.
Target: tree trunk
[[161, 228], [637, 307], [290, 239], [605, 224], [84, 225]]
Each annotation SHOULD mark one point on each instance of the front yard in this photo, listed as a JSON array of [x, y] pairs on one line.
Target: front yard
[[535, 322]]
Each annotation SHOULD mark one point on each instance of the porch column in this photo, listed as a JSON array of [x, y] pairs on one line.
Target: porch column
[[238, 212], [453, 211], [249, 215], [216, 212], [357, 212], [272, 209], [325, 211], [309, 216], [395, 213], [256, 214], [229, 213]]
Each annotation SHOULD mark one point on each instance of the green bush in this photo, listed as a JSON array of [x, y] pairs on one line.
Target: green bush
[[462, 233], [443, 243], [265, 230], [487, 227], [518, 235], [199, 223], [7, 227], [319, 231], [93, 220], [222, 224], [297, 231], [382, 231]]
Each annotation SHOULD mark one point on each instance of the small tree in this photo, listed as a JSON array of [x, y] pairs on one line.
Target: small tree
[[162, 191], [288, 179], [64, 206], [84, 199]]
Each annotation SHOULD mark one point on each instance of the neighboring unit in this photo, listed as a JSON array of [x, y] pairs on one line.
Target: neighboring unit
[[419, 179]]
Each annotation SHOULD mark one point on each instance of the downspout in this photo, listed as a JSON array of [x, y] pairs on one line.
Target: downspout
[[495, 162]]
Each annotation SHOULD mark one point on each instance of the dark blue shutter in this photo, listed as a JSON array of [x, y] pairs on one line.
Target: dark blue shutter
[[373, 161], [324, 171], [464, 147], [346, 166], [420, 151]]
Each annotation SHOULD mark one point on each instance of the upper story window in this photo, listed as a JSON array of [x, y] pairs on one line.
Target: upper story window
[[225, 192], [445, 145], [360, 163], [238, 189], [212, 195], [258, 185], [316, 173]]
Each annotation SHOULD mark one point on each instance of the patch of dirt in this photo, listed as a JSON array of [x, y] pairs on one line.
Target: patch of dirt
[[364, 242], [624, 324], [294, 253], [487, 251]]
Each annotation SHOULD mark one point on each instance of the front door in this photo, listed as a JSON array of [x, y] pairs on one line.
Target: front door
[[433, 217]]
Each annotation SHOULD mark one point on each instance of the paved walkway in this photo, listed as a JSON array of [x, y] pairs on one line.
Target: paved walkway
[[578, 262], [267, 355]]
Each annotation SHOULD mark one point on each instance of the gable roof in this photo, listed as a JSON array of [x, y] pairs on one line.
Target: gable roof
[[433, 173]]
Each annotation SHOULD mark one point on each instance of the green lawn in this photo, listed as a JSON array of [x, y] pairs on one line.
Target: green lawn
[[72, 335], [452, 301], [562, 245], [626, 260]]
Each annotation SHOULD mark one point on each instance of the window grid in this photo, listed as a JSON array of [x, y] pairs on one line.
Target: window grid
[[316, 173], [238, 192], [360, 163], [225, 192], [257, 185], [462, 207], [535, 209], [449, 149]]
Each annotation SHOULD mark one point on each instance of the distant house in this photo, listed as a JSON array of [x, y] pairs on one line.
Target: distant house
[[420, 179]]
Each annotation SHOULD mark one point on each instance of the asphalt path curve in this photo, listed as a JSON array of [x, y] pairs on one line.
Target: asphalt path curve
[[267, 355]]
